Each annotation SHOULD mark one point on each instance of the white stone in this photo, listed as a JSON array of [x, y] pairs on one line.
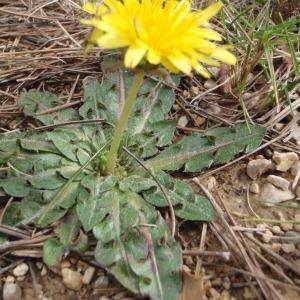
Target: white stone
[[298, 191], [21, 278], [248, 294], [11, 291], [21, 270], [271, 195], [209, 84], [297, 226], [224, 295], [101, 282], [254, 188], [88, 275], [279, 182], [284, 161], [257, 167], [182, 121], [295, 168], [288, 248], [213, 109], [44, 271], [214, 71], [72, 279], [276, 247], [10, 279], [266, 237], [211, 183]]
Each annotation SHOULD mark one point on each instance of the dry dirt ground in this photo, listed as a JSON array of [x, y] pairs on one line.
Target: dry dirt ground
[[236, 257]]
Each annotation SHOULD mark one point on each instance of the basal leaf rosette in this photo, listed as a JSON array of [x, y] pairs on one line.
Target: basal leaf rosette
[[158, 32]]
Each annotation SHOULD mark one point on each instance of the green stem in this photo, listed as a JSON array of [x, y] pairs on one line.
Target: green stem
[[119, 131]]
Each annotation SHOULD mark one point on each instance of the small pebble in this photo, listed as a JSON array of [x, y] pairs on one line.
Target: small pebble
[[211, 183], [182, 121], [44, 271], [10, 279], [279, 182], [284, 226], [72, 279], [216, 282], [88, 275], [257, 167], [213, 109], [21, 278], [276, 247], [298, 192], [103, 298], [226, 283], [295, 168], [266, 237], [21, 270], [39, 265], [209, 84], [120, 295], [224, 295], [195, 90], [101, 282], [288, 248], [277, 230], [213, 293], [65, 264], [11, 291], [254, 188], [271, 194], [200, 121], [284, 161], [248, 293], [297, 226]]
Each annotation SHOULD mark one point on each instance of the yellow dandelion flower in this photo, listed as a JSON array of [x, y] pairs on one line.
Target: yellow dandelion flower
[[163, 32]]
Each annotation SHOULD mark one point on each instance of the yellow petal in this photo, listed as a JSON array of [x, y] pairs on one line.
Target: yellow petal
[[206, 14], [201, 70], [133, 56], [181, 62], [168, 65], [90, 8], [209, 34], [153, 57], [224, 56], [111, 41]]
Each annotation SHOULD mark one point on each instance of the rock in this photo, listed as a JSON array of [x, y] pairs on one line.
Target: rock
[[295, 168], [214, 71], [284, 161], [10, 279], [254, 188], [44, 271], [88, 275], [226, 283], [266, 237], [182, 121], [288, 248], [216, 281], [297, 226], [11, 291], [65, 264], [195, 90], [120, 295], [276, 230], [279, 182], [101, 282], [224, 295], [200, 121], [271, 195], [257, 167], [213, 109], [248, 293], [213, 293], [21, 278], [210, 84], [284, 226], [21, 270], [276, 247], [298, 191], [39, 265], [72, 279], [103, 298], [211, 183]]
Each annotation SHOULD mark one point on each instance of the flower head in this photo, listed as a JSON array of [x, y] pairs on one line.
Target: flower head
[[163, 32]]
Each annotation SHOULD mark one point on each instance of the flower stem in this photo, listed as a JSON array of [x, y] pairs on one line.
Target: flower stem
[[118, 135]]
